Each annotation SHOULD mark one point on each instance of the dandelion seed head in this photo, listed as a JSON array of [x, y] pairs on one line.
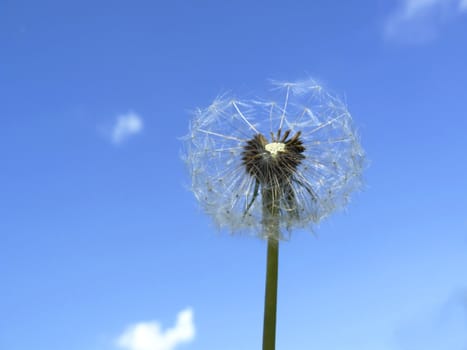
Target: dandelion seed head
[[296, 152]]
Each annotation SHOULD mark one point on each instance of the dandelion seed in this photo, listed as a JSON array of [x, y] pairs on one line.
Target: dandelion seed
[[301, 148]]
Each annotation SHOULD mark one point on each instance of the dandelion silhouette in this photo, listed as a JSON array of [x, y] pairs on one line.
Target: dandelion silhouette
[[265, 167]]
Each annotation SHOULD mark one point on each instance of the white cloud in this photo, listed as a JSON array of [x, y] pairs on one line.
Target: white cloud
[[126, 126], [418, 21], [149, 336]]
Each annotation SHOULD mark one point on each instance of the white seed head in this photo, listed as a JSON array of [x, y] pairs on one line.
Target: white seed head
[[316, 159]]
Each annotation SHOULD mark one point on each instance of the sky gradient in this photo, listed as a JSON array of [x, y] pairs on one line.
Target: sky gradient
[[102, 245]]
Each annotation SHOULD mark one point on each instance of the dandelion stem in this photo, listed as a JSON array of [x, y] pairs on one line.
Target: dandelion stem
[[270, 301], [271, 227]]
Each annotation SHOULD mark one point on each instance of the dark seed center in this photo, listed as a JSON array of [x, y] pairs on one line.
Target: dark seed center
[[273, 163]]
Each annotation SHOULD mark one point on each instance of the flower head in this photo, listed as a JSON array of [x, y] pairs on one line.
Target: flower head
[[284, 163]]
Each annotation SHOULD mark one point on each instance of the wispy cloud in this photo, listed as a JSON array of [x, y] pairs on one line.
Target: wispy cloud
[[126, 125], [150, 336], [419, 21]]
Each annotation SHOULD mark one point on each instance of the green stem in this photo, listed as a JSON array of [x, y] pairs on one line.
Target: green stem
[[271, 228], [270, 301]]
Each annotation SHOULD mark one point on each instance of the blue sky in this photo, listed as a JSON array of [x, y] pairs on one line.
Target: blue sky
[[101, 242]]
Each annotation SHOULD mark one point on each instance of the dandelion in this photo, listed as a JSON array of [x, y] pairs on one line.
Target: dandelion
[[266, 166]]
